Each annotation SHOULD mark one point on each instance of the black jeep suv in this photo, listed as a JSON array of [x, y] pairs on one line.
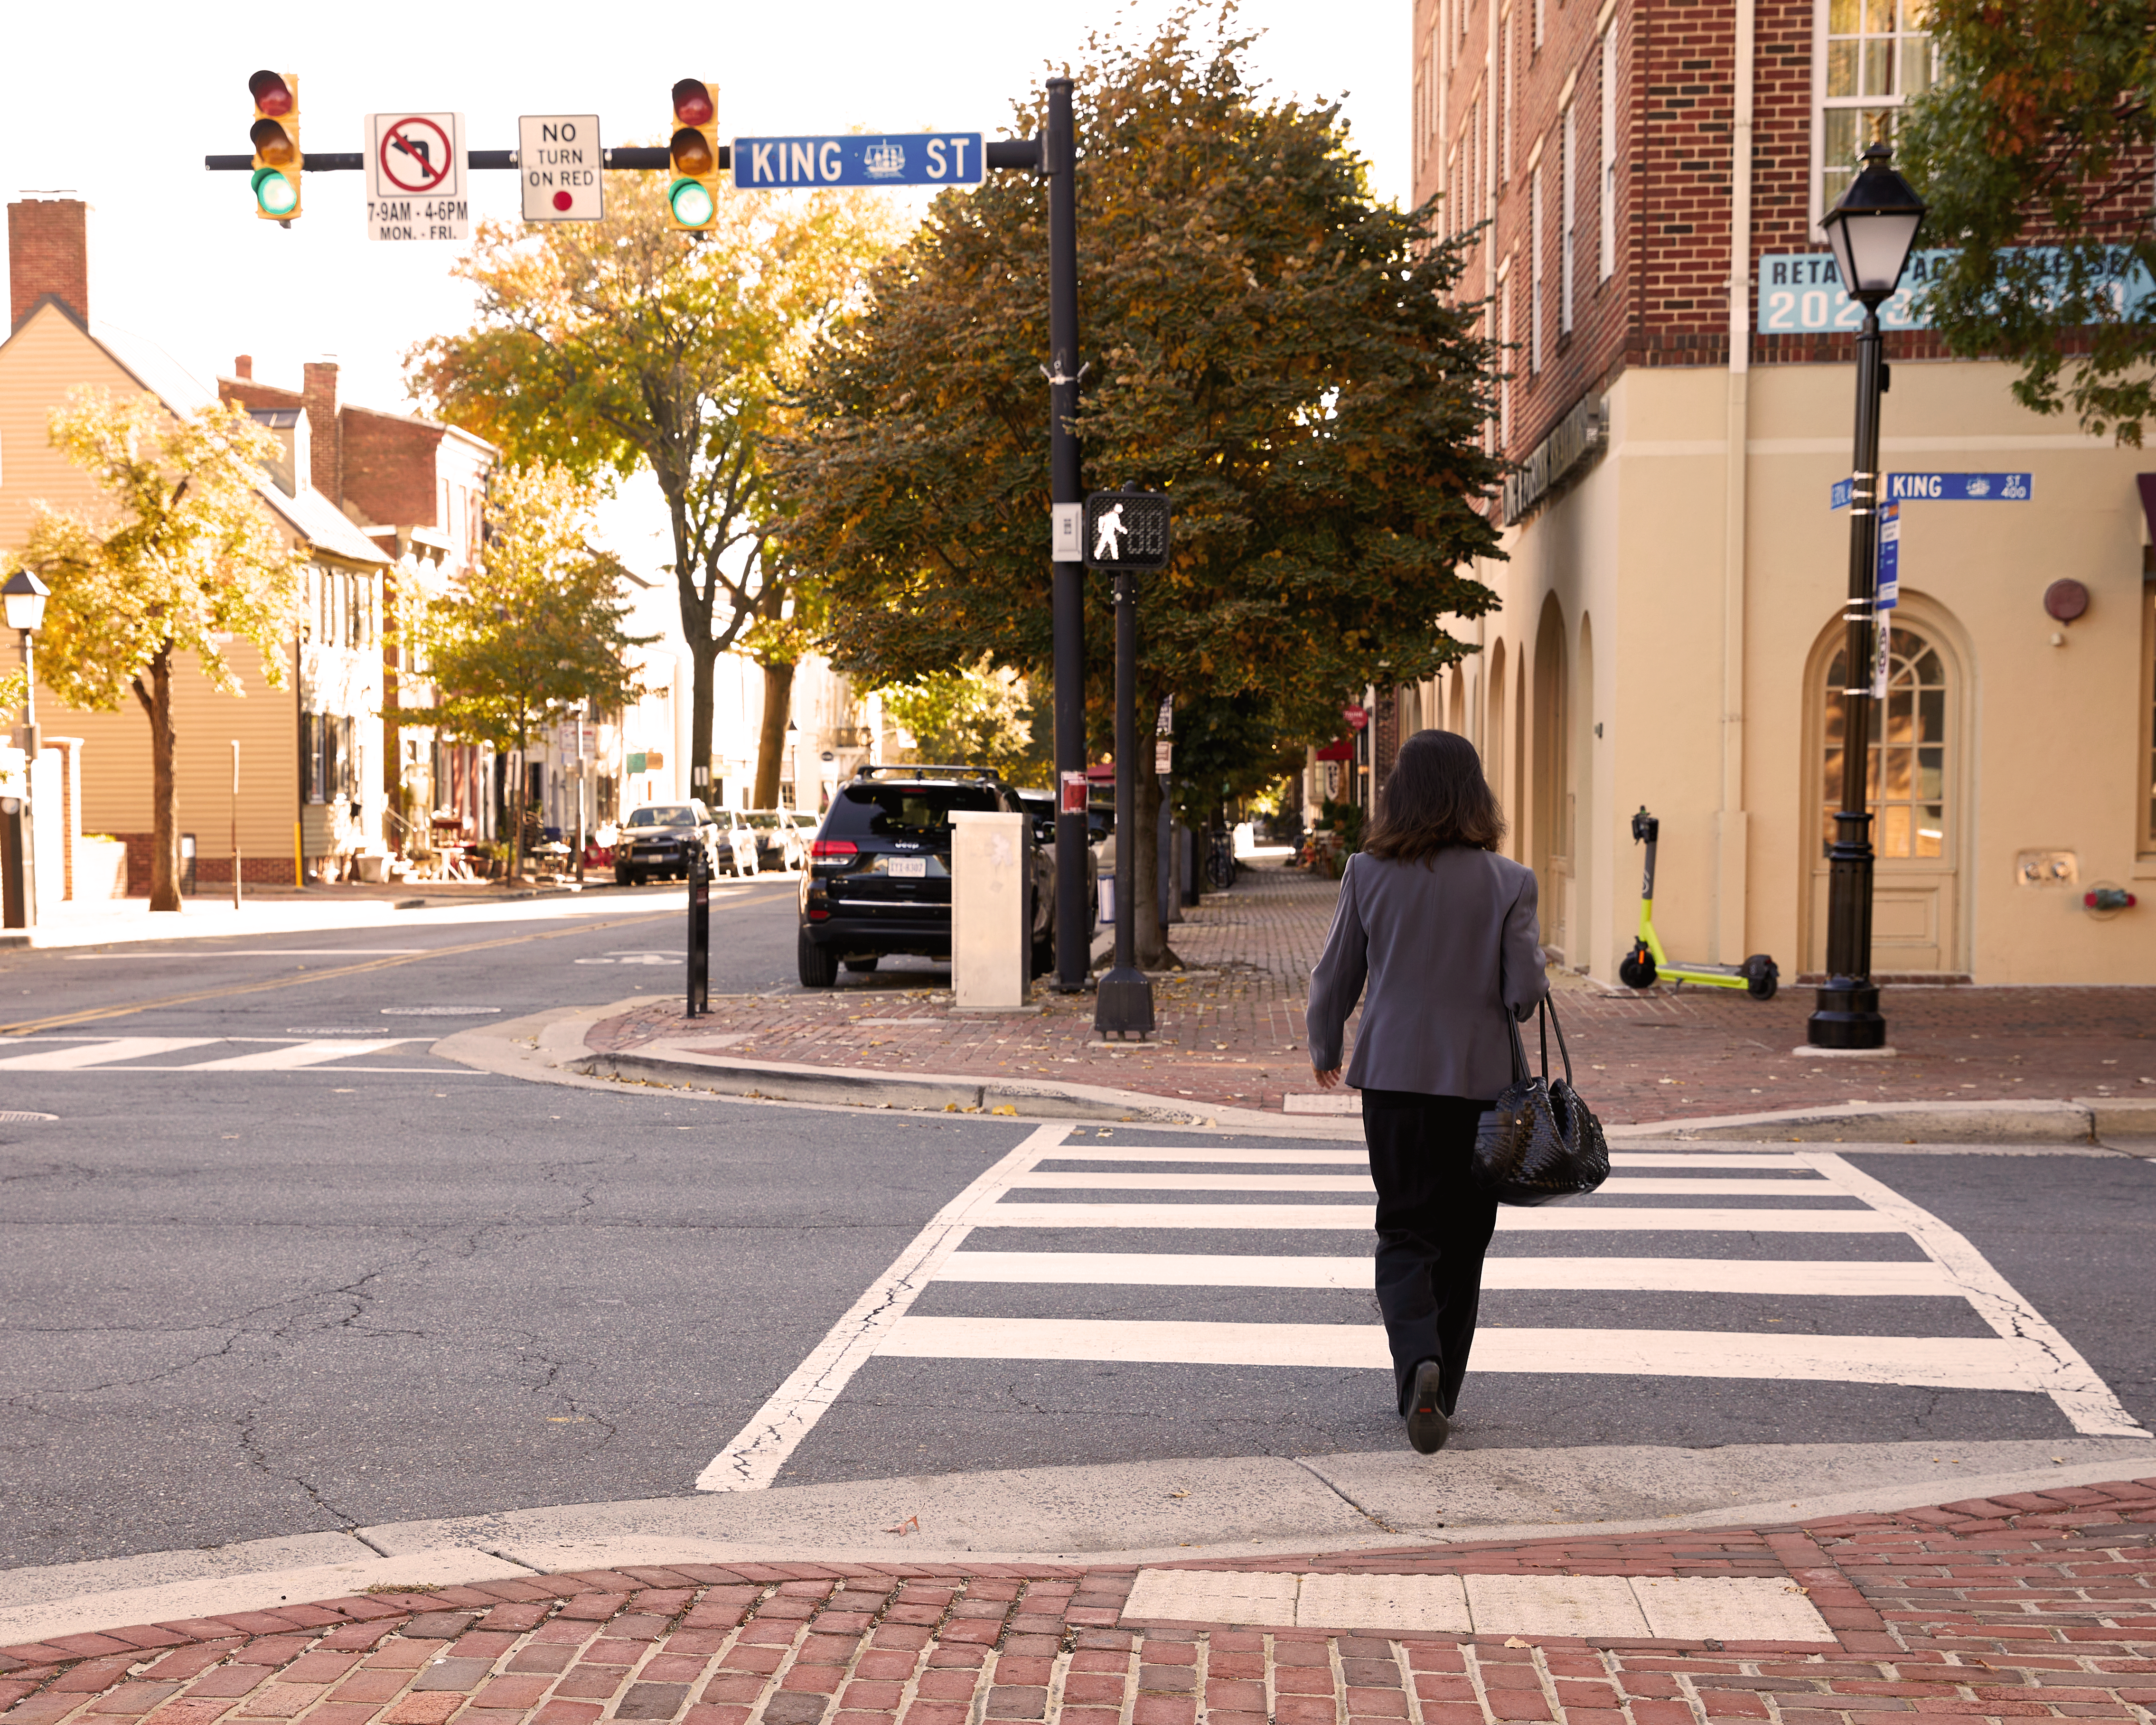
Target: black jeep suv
[[878, 879]]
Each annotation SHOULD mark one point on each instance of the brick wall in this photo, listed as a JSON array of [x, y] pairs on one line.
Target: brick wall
[[389, 468], [48, 253], [319, 396]]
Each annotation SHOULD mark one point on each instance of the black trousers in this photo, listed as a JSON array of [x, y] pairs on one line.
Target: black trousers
[[1433, 1228]]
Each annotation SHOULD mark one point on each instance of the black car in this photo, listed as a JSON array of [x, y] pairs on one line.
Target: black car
[[878, 878], [656, 842]]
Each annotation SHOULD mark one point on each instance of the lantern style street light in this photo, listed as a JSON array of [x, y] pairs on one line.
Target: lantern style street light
[[1872, 229], [24, 595]]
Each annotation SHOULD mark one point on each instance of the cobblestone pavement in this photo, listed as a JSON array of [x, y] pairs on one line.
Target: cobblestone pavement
[[2036, 1605], [1231, 1029]]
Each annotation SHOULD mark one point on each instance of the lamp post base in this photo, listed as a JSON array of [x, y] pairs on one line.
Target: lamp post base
[[1123, 1001], [1846, 1016]]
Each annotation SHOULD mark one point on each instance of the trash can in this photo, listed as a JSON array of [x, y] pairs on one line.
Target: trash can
[[187, 863]]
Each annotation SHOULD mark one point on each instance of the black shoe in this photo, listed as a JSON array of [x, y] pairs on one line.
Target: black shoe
[[1427, 1426]]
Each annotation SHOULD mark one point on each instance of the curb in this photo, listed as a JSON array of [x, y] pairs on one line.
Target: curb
[[2084, 1120]]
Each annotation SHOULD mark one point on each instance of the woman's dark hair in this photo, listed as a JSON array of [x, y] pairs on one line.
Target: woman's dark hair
[[1435, 798]]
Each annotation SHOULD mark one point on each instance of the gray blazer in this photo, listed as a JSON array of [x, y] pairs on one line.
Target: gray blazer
[[1440, 945]]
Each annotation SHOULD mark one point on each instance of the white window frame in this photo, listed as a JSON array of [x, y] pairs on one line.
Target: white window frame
[[1535, 289], [1504, 53], [1815, 188], [1567, 215], [1504, 353], [1607, 187]]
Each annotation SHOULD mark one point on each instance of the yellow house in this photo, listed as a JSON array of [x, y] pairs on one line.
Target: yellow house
[[307, 788]]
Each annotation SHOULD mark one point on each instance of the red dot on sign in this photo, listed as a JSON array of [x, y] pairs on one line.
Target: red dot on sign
[[563, 200]]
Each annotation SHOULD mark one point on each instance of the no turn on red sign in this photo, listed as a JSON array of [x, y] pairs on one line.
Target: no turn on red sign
[[416, 177], [558, 161]]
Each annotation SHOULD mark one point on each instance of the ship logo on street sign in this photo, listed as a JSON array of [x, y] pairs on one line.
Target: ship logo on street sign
[[1127, 530]]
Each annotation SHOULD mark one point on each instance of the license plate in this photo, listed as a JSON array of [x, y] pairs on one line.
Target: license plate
[[907, 868]]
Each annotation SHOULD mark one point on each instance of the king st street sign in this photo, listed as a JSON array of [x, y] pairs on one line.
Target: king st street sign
[[926, 158]]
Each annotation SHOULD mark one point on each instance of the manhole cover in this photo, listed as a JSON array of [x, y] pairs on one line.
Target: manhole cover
[[437, 1012], [18, 1116]]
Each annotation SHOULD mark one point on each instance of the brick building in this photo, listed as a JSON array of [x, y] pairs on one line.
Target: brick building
[[1640, 185], [415, 488]]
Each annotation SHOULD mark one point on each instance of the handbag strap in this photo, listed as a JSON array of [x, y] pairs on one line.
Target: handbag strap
[[1520, 1073], [1564, 1052]]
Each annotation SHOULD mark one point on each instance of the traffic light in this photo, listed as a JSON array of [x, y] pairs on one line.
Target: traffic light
[[276, 136], [693, 196]]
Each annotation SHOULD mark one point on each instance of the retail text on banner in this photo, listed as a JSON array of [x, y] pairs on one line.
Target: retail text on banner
[[1943, 488], [1882, 653], [559, 163], [1800, 293], [415, 177], [926, 158], [1890, 558]]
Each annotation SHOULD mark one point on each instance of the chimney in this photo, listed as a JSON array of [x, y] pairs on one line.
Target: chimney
[[244, 369], [48, 253], [326, 473]]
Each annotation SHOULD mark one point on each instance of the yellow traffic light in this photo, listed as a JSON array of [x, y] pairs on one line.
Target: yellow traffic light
[[275, 135], [693, 196]]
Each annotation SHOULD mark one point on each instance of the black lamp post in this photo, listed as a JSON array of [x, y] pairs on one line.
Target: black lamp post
[[1872, 229], [25, 596]]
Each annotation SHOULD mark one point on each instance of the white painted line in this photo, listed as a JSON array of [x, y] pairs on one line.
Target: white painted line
[[1837, 1276], [294, 1055], [1361, 1158], [133, 957], [1685, 1607], [752, 1461], [1728, 1608], [101, 1053], [1435, 1603], [1927, 1362], [1555, 1606], [2081, 1395], [1549, 1218], [1650, 1186]]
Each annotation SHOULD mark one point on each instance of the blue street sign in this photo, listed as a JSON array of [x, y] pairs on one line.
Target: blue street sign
[[1890, 558], [1945, 488], [920, 158]]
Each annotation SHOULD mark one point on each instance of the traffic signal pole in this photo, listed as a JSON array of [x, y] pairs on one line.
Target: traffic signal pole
[[1074, 921]]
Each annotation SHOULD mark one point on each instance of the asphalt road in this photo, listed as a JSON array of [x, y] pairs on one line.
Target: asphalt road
[[242, 1302]]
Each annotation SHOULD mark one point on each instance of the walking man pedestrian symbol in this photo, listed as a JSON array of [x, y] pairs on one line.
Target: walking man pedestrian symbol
[[1108, 536]]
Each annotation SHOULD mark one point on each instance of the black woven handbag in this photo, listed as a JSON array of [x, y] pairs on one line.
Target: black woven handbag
[[1540, 1142]]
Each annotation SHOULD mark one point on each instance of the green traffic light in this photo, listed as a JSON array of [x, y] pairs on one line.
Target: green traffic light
[[691, 203], [276, 194]]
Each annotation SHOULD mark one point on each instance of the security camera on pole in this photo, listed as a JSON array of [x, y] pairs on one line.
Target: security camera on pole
[[1125, 532]]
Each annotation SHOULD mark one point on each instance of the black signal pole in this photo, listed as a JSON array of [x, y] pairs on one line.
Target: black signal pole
[[1074, 924]]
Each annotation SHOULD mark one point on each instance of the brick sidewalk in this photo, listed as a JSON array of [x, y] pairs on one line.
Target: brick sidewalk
[[2038, 1606], [1231, 1030]]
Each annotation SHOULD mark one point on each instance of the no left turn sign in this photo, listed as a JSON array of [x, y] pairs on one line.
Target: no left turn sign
[[415, 177]]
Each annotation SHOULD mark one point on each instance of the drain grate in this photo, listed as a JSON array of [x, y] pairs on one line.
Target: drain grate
[[18, 1116]]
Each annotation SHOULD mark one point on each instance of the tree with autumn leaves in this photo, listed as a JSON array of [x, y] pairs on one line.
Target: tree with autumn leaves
[[1270, 345]]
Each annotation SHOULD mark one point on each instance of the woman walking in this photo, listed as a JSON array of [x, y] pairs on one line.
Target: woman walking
[[1438, 931]]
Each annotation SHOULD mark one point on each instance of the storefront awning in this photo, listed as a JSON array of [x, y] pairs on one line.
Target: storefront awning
[[1344, 749]]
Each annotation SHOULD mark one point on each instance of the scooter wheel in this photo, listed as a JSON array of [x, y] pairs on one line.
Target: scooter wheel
[[1762, 977], [1636, 969]]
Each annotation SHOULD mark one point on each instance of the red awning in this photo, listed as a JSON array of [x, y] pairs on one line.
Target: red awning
[[1344, 749]]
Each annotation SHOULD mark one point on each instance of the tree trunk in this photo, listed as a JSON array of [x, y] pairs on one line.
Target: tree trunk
[[516, 815], [771, 743], [164, 789], [703, 678]]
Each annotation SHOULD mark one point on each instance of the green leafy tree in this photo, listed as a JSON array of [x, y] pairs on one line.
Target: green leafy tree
[[603, 346], [979, 717], [536, 626], [183, 558], [2035, 154], [1268, 344]]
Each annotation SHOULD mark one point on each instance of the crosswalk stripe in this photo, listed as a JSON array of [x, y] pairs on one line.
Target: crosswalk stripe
[[1837, 1276], [1648, 1186], [1925, 1362], [64, 1057], [1361, 1158], [294, 1055], [1549, 1218]]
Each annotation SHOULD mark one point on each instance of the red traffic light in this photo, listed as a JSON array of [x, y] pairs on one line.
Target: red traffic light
[[691, 152], [692, 104], [272, 95], [270, 142]]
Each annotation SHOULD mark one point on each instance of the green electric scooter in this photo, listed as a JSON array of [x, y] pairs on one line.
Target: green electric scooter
[[1759, 975]]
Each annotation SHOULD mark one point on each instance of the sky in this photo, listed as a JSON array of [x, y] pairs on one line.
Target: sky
[[178, 256]]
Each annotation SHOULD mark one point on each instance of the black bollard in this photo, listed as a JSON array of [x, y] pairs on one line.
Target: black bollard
[[700, 932]]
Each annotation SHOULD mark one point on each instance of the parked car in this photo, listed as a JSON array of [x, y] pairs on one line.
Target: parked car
[[657, 840], [878, 879], [1040, 805], [737, 843], [780, 843]]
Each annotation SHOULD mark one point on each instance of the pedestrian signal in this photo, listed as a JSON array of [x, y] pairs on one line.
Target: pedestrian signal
[[1127, 530], [693, 196], [275, 135]]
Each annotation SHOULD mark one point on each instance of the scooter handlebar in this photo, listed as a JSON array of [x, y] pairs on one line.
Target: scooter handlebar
[[1645, 827]]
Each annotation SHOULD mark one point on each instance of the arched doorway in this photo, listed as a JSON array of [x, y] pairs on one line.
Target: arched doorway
[[1493, 734], [1914, 791], [1550, 833]]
